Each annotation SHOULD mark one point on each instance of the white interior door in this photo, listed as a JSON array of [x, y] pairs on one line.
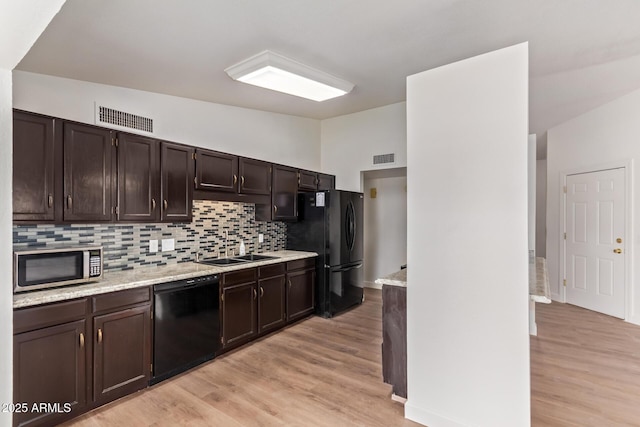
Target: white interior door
[[594, 250]]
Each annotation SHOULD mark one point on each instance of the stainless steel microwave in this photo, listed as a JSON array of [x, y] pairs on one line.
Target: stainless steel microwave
[[41, 268]]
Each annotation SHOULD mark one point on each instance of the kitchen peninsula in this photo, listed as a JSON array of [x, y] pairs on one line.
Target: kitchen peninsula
[[394, 332]]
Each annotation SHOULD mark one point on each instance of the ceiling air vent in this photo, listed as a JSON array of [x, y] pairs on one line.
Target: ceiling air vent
[[124, 119], [384, 158]]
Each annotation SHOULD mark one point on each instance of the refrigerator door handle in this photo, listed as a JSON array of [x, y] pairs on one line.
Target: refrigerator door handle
[[352, 267], [350, 225]]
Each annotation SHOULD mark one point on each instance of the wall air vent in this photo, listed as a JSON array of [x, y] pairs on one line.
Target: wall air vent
[[123, 119], [384, 158]]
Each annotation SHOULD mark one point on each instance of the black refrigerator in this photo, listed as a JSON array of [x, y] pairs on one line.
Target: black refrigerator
[[330, 224]]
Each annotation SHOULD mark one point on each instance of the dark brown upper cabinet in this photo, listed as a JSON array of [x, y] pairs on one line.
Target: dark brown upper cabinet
[[284, 194], [177, 182], [33, 167], [311, 181], [255, 176], [89, 173], [216, 171], [138, 178], [308, 180], [326, 182]]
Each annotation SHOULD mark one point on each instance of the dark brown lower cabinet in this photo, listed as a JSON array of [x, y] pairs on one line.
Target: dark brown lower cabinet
[[121, 353], [239, 310], [64, 350], [256, 301], [49, 366], [271, 298], [300, 293]]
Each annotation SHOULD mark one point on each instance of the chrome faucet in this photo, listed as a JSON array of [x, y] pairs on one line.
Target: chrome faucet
[[226, 243]]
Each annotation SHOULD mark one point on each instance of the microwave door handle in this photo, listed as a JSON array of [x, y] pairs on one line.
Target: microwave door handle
[[85, 264]]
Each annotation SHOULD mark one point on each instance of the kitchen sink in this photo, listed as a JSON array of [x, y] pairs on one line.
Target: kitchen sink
[[236, 260], [254, 257], [221, 261]]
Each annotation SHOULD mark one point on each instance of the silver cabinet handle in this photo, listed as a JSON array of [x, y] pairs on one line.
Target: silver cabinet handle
[[153, 204], [50, 200], [69, 202], [165, 204]]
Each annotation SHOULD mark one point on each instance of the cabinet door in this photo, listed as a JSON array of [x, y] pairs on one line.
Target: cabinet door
[[33, 167], [138, 178], [49, 366], [177, 182], [216, 171], [89, 173], [239, 312], [307, 180], [300, 294], [255, 176], [284, 195], [326, 182], [121, 353], [271, 303]]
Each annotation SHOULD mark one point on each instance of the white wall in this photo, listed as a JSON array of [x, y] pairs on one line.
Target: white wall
[[279, 138], [20, 25], [385, 226], [468, 342], [600, 138], [531, 174], [6, 279], [349, 143], [541, 208]]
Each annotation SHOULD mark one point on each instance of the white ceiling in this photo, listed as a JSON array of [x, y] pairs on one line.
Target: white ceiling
[[583, 53]]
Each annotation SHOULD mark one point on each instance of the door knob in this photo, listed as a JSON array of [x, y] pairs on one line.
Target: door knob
[[619, 240], [617, 251]]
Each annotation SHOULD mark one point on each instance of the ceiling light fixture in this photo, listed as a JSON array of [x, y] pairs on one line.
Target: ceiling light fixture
[[276, 72]]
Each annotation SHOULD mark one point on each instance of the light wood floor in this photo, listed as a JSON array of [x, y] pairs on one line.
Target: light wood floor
[[585, 369], [315, 373]]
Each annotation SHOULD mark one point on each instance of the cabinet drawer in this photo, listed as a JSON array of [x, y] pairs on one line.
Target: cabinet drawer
[[241, 276], [28, 319], [301, 263], [271, 270], [120, 299]]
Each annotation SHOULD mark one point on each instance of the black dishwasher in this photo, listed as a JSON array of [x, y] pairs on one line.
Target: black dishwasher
[[186, 325]]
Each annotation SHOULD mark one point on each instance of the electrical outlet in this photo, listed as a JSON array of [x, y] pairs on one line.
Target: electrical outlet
[[153, 246], [168, 245], [260, 238]]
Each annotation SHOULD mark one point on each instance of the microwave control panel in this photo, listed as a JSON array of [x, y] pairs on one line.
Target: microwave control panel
[[95, 264]]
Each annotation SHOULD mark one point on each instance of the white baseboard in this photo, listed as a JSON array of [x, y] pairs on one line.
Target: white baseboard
[[426, 417], [372, 285]]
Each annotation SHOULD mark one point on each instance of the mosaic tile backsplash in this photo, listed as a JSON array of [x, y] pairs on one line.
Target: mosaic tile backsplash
[[127, 245]]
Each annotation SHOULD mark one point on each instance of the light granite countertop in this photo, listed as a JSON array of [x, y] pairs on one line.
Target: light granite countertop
[[399, 278], [538, 280], [147, 276]]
